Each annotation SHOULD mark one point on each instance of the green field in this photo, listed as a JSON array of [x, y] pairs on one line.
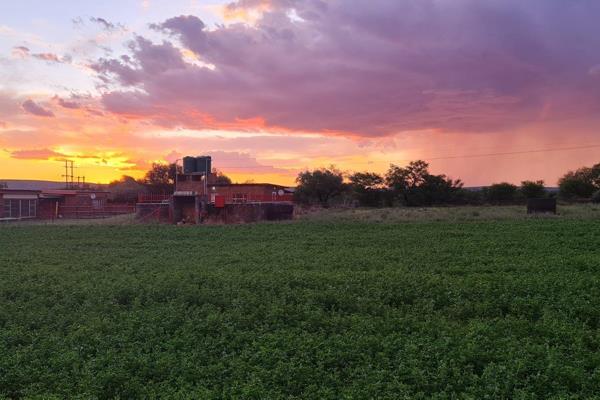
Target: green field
[[305, 310]]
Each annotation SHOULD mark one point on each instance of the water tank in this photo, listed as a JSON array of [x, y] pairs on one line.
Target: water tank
[[189, 165], [204, 164]]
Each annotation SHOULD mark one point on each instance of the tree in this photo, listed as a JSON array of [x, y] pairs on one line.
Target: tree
[[161, 177], [320, 185], [501, 193], [126, 189], [533, 189], [368, 188], [404, 181], [416, 186], [438, 189], [581, 183], [220, 177]]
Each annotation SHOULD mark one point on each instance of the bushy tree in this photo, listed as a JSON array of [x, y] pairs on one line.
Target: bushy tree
[[415, 186], [368, 188], [220, 177], [533, 189], [161, 177], [439, 189], [581, 183], [499, 193], [403, 181], [319, 185]]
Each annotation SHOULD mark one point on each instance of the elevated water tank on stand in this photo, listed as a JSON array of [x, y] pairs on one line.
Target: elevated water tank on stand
[[189, 165], [204, 164]]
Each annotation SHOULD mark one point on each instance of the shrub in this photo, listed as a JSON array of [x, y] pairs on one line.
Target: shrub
[[533, 189], [415, 186], [596, 197], [581, 183], [367, 188], [320, 185], [501, 193]]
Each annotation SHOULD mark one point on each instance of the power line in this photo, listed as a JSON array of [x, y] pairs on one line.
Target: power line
[[514, 152], [555, 149]]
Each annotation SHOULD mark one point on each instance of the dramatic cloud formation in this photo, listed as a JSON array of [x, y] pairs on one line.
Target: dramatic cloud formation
[[33, 108], [366, 68], [271, 87]]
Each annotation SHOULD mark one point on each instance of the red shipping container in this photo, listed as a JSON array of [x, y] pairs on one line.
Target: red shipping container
[[219, 201]]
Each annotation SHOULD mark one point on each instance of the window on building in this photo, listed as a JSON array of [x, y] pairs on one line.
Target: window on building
[[240, 198], [32, 208], [7, 209], [20, 208]]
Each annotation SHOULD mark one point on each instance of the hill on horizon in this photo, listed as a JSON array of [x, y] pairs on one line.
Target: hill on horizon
[[27, 184]]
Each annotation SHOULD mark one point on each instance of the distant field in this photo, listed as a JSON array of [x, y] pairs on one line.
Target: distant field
[[453, 214], [505, 308], [382, 215]]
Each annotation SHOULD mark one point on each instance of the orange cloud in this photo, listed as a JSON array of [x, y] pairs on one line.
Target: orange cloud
[[36, 154]]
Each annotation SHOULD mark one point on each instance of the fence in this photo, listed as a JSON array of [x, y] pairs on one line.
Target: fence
[[153, 198], [257, 198], [88, 212]]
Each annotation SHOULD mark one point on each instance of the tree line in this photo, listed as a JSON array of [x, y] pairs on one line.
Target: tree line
[[411, 185], [414, 185]]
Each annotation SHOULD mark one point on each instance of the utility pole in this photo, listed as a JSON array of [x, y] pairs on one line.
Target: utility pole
[[69, 178], [66, 175], [72, 181]]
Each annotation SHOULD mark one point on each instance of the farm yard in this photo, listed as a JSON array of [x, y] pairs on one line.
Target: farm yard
[[341, 305]]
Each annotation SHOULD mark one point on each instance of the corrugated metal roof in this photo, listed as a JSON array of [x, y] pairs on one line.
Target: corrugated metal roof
[[69, 192], [17, 191]]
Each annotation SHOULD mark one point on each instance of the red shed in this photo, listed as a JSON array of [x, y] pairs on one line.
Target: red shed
[[69, 203], [236, 193]]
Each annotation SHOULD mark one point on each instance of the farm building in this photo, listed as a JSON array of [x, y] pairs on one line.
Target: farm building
[[71, 203], [18, 204], [199, 196]]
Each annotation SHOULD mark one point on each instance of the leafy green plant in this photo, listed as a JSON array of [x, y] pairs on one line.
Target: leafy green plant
[[496, 309]]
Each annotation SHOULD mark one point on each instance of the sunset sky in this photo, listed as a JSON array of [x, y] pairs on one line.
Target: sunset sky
[[486, 90]]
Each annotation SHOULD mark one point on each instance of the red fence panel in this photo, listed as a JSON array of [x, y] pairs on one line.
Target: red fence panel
[[253, 198], [87, 212], [153, 198]]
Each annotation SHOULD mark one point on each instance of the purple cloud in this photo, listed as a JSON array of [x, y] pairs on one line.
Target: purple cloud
[[33, 108], [367, 68], [51, 57], [20, 51], [24, 52], [73, 105], [106, 25]]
